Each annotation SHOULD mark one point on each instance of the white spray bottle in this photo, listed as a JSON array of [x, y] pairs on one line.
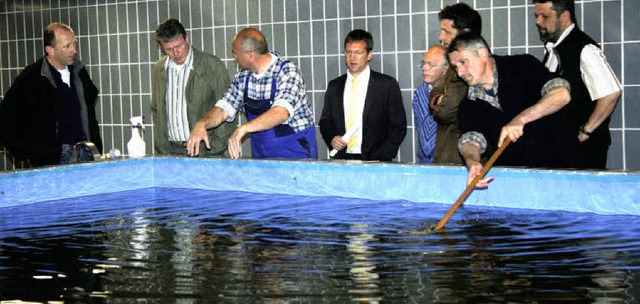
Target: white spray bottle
[[136, 146]]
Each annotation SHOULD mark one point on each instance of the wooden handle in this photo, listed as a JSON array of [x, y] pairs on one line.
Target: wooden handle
[[472, 185]]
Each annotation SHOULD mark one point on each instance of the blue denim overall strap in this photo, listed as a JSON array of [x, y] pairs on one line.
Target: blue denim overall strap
[[281, 141]]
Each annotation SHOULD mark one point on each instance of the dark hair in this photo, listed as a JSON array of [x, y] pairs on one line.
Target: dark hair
[[252, 40], [468, 41], [463, 17], [360, 35], [169, 30], [561, 6], [49, 35]]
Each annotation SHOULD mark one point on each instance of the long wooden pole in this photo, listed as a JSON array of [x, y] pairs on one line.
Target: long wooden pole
[[472, 185]]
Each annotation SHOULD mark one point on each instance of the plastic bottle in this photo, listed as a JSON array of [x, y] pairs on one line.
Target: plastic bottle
[[136, 146]]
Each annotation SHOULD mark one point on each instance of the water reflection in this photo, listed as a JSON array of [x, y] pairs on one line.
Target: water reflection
[[366, 281], [239, 247]]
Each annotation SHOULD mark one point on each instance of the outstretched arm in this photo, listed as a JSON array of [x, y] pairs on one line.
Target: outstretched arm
[[471, 153], [267, 120], [552, 101], [199, 133]]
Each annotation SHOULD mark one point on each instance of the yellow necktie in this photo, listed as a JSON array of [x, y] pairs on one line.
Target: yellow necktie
[[352, 111]]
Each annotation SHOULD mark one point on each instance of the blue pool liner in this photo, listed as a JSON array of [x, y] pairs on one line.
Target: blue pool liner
[[577, 191]]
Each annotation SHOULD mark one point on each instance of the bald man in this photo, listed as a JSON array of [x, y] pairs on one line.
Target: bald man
[[50, 107], [434, 66], [436, 70], [272, 92]]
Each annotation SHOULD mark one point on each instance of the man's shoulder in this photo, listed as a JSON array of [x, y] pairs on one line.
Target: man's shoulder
[[30, 72], [577, 33], [287, 66], [451, 77], [342, 79], [516, 57], [382, 76], [516, 62], [33, 67], [161, 61]]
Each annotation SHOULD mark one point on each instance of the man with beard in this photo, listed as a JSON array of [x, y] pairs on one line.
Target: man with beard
[[595, 90], [446, 95]]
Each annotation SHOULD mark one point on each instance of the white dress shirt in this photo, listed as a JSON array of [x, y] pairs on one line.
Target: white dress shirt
[[597, 75], [176, 102], [361, 95]]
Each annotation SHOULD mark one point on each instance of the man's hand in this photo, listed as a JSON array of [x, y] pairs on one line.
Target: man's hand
[[474, 171], [198, 134], [338, 143], [582, 137], [514, 130], [235, 142]]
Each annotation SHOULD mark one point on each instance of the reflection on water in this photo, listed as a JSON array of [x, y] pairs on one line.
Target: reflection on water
[[192, 246], [363, 267]]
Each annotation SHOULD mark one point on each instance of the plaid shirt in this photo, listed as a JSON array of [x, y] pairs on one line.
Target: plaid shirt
[[290, 93]]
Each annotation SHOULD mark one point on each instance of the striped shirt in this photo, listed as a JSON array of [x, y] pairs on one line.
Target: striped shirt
[[425, 125], [290, 93], [178, 75]]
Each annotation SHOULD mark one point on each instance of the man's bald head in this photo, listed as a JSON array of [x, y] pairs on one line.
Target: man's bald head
[[252, 40], [434, 64]]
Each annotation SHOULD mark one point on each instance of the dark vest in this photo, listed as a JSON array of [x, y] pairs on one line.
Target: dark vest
[[581, 105]]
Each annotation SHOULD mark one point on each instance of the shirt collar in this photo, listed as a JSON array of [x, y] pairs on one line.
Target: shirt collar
[[477, 92], [363, 77], [274, 59], [564, 35]]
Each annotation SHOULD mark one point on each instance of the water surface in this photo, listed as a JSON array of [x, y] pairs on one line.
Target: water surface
[[194, 246]]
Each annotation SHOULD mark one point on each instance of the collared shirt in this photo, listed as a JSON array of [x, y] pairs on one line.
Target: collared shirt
[[176, 102], [290, 94], [477, 93], [425, 124], [597, 75], [360, 95]]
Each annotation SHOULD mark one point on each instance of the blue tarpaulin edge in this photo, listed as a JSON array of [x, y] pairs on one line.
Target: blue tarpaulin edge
[[602, 192]]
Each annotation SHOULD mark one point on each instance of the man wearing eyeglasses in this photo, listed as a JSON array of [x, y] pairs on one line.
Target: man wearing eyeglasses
[[434, 66], [363, 116], [446, 96]]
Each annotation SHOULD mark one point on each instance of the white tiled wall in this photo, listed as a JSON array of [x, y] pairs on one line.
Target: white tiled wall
[[116, 39]]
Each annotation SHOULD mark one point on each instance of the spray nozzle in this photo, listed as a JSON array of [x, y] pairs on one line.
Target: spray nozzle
[[137, 121]]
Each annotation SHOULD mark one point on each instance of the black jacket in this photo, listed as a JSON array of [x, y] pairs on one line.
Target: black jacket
[[384, 122], [28, 123]]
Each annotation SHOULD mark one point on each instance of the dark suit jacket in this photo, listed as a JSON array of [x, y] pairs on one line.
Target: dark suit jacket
[[384, 123]]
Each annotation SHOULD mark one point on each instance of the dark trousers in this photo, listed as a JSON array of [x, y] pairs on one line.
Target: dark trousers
[[594, 155]]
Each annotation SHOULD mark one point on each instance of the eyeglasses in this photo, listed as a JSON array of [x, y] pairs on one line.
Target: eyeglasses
[[357, 53], [430, 65]]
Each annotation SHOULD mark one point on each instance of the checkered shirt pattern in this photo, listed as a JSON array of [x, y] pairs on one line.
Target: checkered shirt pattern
[[290, 93]]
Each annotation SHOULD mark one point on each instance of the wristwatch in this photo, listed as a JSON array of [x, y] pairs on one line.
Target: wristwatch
[[584, 131]]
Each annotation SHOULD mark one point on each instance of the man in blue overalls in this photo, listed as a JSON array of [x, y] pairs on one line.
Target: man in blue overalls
[[272, 93]]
